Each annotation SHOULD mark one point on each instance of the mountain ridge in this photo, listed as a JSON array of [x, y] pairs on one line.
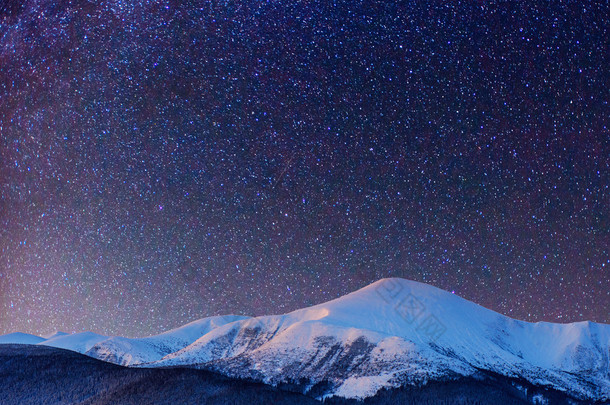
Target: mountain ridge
[[399, 322], [390, 334]]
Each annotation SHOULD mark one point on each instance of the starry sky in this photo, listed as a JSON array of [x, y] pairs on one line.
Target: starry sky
[[162, 160]]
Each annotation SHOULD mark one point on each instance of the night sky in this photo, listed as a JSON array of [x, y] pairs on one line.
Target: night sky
[[162, 161]]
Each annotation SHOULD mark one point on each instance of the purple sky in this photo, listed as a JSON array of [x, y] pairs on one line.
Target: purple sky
[[160, 162]]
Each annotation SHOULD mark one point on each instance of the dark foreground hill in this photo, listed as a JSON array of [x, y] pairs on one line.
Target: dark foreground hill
[[32, 374], [45, 375]]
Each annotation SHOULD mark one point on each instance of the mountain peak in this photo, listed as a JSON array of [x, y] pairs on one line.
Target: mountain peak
[[395, 285], [410, 330], [391, 332], [398, 307]]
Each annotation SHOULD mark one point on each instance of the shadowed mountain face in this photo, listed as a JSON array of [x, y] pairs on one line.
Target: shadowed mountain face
[[45, 375], [32, 374]]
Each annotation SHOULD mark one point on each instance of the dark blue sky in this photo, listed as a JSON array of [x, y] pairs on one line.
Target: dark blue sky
[[162, 161]]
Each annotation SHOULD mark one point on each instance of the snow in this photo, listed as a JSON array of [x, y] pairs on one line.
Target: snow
[[78, 342], [127, 351], [390, 333], [362, 387], [20, 338], [415, 324]]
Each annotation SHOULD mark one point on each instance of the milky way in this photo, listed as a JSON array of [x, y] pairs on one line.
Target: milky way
[[162, 161]]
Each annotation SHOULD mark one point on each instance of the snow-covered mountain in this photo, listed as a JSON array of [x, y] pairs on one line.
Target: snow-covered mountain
[[127, 351], [393, 333], [77, 342], [20, 338], [396, 332]]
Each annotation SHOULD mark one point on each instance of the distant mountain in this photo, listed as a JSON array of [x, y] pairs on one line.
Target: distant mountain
[[78, 342], [20, 338], [393, 335], [127, 351]]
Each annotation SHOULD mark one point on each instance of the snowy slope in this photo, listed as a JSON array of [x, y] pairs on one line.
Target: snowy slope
[[77, 342], [127, 351], [392, 333], [397, 332], [21, 338], [56, 334]]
